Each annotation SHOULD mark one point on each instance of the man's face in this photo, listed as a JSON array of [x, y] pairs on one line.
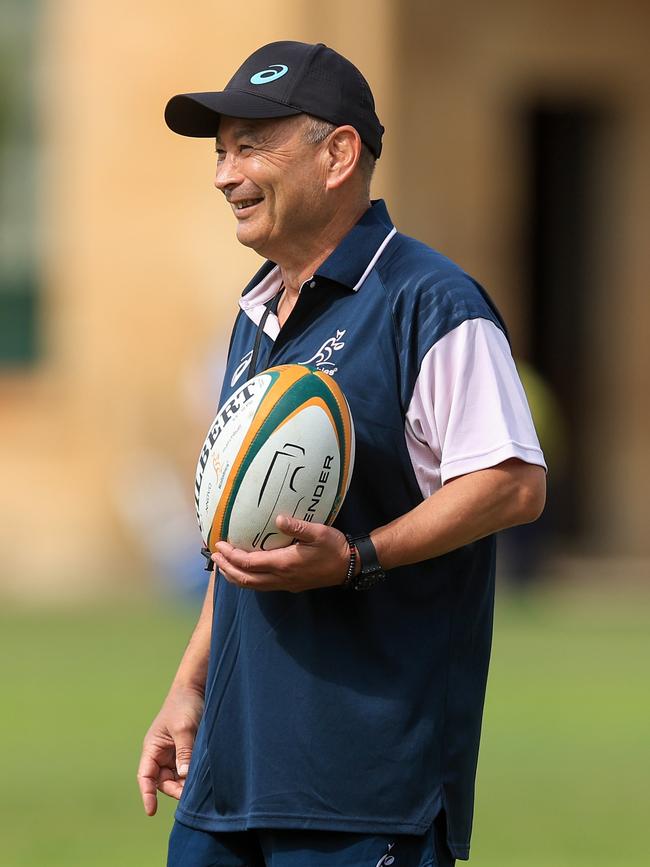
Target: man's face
[[274, 181]]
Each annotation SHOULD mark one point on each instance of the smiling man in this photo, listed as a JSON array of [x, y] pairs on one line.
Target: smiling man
[[327, 710]]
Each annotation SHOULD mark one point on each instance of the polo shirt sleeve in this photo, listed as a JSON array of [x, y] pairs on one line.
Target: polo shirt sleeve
[[468, 409]]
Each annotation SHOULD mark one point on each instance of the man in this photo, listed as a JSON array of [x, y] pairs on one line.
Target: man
[[327, 726]]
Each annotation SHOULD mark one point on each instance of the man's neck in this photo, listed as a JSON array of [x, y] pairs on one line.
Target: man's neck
[[294, 273]]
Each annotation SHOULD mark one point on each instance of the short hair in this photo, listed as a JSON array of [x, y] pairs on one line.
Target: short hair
[[317, 130]]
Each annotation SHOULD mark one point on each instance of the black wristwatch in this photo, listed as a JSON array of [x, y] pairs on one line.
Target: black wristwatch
[[371, 572]]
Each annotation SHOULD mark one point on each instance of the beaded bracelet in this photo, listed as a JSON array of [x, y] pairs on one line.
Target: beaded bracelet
[[351, 565]]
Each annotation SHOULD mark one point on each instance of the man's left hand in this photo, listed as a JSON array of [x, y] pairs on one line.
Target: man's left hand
[[319, 558]]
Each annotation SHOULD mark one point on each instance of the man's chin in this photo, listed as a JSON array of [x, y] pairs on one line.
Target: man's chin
[[249, 238]]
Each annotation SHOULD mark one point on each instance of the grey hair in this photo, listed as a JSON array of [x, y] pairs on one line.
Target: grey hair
[[317, 130]]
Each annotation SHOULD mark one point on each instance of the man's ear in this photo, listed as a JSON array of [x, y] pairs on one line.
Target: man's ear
[[343, 152]]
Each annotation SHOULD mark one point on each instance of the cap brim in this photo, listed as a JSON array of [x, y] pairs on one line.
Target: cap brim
[[197, 114]]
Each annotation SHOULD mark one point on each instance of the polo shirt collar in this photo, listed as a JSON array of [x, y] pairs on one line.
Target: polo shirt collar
[[359, 250], [348, 265]]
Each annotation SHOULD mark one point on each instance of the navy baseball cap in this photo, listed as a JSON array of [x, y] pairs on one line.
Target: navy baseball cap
[[279, 80]]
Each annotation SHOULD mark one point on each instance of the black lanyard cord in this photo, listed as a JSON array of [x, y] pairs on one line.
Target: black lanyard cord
[[270, 307]]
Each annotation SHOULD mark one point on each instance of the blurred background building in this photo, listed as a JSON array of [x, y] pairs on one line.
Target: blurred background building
[[517, 143]]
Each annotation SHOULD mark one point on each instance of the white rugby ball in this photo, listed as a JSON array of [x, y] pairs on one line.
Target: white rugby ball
[[283, 443]]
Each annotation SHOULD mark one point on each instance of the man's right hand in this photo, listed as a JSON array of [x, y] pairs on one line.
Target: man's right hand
[[167, 746]]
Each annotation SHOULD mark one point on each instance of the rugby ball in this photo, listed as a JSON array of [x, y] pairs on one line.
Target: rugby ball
[[283, 443]]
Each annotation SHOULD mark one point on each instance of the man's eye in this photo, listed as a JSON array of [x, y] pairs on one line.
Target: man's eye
[[245, 147], [220, 154]]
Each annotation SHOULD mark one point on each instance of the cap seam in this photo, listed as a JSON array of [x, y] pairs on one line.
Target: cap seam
[[265, 98], [304, 67]]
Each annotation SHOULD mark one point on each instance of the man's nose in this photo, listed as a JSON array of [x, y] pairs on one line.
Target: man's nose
[[227, 174]]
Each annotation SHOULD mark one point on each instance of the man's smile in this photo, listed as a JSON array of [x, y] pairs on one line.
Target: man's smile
[[243, 207]]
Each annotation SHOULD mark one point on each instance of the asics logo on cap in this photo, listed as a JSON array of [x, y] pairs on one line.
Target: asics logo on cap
[[275, 70]]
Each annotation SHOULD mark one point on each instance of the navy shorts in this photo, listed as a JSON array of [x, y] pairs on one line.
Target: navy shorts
[[189, 847]]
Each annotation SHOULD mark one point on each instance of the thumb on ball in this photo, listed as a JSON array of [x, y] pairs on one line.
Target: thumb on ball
[[301, 530]]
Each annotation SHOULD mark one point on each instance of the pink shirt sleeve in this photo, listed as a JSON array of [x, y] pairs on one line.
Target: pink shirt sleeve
[[468, 411]]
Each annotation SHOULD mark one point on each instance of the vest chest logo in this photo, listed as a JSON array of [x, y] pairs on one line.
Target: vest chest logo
[[388, 859], [241, 368], [322, 359]]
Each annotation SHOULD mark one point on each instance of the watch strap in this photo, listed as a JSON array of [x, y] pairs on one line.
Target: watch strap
[[367, 554], [371, 572]]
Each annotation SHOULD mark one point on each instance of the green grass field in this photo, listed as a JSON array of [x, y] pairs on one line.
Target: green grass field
[[564, 757]]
